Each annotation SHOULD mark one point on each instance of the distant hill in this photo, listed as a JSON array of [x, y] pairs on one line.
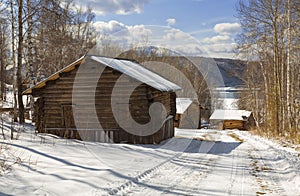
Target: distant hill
[[232, 71]]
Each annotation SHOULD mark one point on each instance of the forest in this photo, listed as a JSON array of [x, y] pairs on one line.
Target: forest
[[270, 42]]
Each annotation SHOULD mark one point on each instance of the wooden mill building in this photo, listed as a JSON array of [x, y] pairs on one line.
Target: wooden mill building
[[232, 119], [97, 99]]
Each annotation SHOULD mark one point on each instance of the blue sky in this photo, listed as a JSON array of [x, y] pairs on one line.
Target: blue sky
[[188, 26]]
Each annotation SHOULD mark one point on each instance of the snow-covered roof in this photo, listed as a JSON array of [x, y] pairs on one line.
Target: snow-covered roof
[[138, 72], [230, 115], [127, 67], [182, 104]]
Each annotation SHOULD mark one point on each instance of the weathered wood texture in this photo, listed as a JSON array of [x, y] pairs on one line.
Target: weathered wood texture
[[54, 109], [233, 124], [240, 124]]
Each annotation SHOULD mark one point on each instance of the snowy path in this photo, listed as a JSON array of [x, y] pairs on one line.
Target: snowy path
[[276, 169], [225, 167], [213, 163], [208, 168], [178, 177]]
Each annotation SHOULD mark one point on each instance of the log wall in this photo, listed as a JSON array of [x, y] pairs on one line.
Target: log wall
[[54, 109], [233, 124]]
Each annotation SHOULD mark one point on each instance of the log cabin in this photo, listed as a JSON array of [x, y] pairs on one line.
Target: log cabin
[[106, 100], [232, 119]]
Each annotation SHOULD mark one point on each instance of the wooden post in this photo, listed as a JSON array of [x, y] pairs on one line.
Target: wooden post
[[2, 127], [12, 130]]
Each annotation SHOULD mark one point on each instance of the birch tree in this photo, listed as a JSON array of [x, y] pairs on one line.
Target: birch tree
[[271, 37], [3, 56]]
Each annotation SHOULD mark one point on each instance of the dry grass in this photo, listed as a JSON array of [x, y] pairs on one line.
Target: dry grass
[[204, 138], [236, 137], [7, 159], [288, 138], [3, 165], [285, 141]]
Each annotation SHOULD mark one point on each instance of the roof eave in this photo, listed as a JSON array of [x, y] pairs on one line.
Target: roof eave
[[54, 76]]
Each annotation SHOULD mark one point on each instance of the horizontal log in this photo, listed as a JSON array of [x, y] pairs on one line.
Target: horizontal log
[[135, 94], [11, 109], [92, 83], [99, 111], [102, 90], [89, 87]]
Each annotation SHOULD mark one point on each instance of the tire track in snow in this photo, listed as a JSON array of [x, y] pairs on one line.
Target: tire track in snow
[[137, 179], [263, 172], [186, 180], [180, 176], [246, 169], [233, 174], [264, 167], [214, 159], [227, 177], [175, 163]]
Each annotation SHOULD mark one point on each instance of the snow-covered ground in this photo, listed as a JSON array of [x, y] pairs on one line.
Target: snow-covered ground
[[9, 97], [195, 162]]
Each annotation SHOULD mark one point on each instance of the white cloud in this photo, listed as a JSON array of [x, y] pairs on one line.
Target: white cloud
[[110, 27], [173, 39], [122, 34], [227, 28], [222, 44], [122, 7], [180, 42], [221, 47], [171, 21], [141, 35], [139, 31], [216, 39], [175, 35], [220, 50]]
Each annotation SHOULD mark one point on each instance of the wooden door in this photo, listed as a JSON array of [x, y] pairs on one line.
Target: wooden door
[[68, 123]]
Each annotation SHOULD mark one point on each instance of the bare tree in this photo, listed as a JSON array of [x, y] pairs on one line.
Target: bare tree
[[13, 59], [3, 55], [20, 62], [269, 37], [63, 35]]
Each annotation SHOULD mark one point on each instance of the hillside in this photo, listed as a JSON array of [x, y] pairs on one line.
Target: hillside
[[231, 70]]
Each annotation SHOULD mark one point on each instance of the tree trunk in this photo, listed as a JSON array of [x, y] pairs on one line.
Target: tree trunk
[[2, 82], [277, 86], [30, 54], [14, 60], [19, 68], [288, 71]]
